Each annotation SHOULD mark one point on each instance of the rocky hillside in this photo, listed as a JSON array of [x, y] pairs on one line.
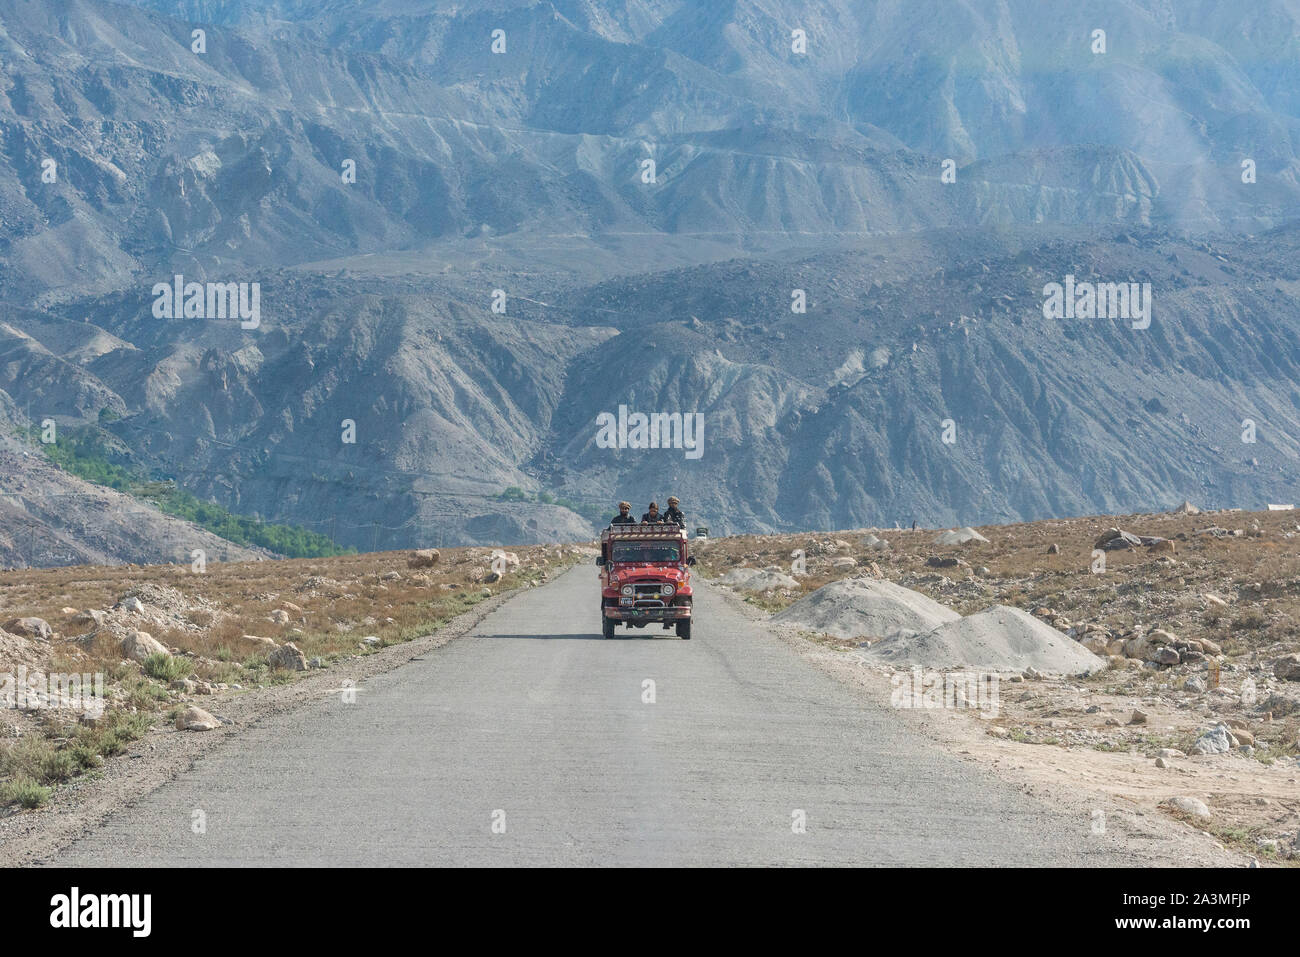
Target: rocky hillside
[[234, 157], [821, 419], [48, 517], [381, 400]]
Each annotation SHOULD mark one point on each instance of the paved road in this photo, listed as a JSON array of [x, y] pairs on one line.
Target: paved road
[[536, 716]]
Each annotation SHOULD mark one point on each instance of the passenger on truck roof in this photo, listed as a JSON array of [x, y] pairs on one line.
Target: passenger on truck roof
[[624, 516], [674, 516], [652, 516]]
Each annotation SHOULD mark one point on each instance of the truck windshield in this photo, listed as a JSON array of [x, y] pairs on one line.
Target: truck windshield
[[646, 552]]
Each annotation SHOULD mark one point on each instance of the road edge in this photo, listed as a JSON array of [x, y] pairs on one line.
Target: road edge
[[949, 731], [33, 837]]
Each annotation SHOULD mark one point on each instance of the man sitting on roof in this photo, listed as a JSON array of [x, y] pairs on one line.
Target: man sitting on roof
[[624, 516], [674, 514]]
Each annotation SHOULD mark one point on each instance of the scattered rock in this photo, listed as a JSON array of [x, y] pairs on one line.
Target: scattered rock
[[196, 719], [1137, 717], [844, 562], [1053, 549], [423, 558], [258, 643], [1190, 806], [36, 628], [1139, 646], [1218, 740], [1115, 538], [1164, 655], [959, 536], [1163, 545], [288, 657], [280, 616], [131, 604], [139, 645], [1195, 684], [1287, 668], [1187, 508], [1281, 705], [1096, 642]]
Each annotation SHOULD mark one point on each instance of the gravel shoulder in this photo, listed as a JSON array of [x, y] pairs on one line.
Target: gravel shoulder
[[31, 837], [1107, 791]]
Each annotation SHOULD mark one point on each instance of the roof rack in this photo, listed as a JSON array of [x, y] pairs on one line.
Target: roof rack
[[646, 531]]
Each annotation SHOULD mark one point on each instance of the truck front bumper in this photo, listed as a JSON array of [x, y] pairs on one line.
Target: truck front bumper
[[651, 613]]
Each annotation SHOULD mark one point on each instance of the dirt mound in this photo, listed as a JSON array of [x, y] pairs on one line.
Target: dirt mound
[[154, 607], [162, 597], [16, 650], [866, 607], [998, 639]]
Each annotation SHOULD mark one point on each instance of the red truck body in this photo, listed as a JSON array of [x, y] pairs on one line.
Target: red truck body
[[645, 577]]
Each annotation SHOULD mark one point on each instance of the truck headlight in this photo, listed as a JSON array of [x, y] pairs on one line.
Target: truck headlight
[[667, 589], [628, 589]]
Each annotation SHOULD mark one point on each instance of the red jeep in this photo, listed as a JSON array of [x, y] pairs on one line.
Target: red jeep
[[644, 577]]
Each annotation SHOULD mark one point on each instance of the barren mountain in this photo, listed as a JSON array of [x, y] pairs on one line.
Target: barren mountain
[[48, 517], [523, 171]]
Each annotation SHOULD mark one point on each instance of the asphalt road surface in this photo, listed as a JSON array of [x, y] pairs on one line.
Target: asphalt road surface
[[531, 741]]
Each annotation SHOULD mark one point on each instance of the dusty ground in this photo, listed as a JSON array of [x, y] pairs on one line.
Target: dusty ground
[[161, 753], [1237, 593], [332, 610]]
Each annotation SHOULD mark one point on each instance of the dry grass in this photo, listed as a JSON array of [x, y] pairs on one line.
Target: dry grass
[[330, 606], [1257, 575]]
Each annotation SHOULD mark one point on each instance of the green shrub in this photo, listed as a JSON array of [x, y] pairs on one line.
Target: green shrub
[[24, 791], [164, 667]]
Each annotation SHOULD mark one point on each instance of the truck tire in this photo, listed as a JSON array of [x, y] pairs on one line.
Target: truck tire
[[608, 627], [684, 629]]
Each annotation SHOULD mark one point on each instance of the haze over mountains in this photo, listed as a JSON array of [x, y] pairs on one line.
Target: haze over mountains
[[522, 171]]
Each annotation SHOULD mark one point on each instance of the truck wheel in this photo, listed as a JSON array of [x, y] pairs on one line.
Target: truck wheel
[[684, 630], [608, 627]]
